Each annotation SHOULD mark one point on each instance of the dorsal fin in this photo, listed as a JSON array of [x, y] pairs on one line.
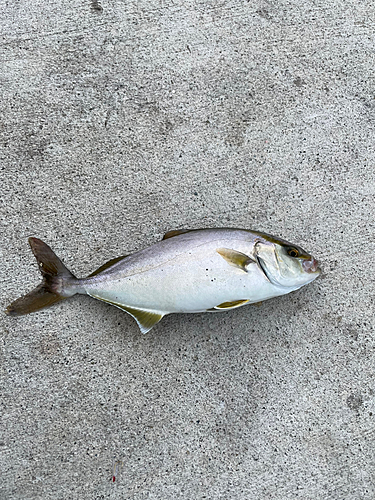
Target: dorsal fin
[[175, 232], [106, 265], [236, 259], [145, 319]]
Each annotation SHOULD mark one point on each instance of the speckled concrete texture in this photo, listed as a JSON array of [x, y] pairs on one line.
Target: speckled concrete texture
[[121, 120]]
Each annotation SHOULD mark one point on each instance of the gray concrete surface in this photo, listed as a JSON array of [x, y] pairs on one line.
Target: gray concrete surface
[[122, 120]]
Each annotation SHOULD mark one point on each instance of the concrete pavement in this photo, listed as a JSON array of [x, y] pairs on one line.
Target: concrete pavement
[[122, 120]]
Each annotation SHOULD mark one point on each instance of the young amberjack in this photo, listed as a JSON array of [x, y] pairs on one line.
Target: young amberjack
[[188, 271]]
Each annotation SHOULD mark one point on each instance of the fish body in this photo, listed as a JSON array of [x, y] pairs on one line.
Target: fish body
[[188, 271]]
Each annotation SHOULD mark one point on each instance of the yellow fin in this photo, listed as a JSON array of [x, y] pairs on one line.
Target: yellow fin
[[145, 319], [175, 232], [236, 259], [106, 266], [232, 304]]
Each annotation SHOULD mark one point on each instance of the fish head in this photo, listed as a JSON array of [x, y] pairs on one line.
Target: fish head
[[285, 264]]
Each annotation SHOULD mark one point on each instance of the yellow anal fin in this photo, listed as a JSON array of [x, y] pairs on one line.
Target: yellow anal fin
[[236, 259], [175, 232], [106, 265], [145, 319], [232, 305]]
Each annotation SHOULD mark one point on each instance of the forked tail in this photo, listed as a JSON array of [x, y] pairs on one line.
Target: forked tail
[[58, 282]]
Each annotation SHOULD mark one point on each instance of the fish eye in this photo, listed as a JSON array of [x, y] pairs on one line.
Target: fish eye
[[293, 252]]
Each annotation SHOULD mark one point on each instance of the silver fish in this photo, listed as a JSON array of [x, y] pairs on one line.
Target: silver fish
[[188, 271]]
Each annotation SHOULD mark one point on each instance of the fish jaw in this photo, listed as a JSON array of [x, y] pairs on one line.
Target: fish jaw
[[311, 266]]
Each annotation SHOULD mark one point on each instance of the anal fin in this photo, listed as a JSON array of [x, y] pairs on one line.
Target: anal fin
[[145, 319]]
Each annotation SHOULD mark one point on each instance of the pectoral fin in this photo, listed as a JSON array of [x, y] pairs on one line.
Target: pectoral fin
[[145, 319], [175, 232], [236, 259]]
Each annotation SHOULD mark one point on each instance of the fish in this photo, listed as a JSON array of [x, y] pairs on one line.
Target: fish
[[188, 271]]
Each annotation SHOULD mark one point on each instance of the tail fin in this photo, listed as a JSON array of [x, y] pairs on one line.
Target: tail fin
[[56, 285]]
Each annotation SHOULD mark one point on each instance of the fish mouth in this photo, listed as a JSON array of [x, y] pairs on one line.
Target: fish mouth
[[311, 265]]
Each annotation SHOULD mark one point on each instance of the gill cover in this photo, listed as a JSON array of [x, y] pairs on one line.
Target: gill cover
[[280, 268]]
